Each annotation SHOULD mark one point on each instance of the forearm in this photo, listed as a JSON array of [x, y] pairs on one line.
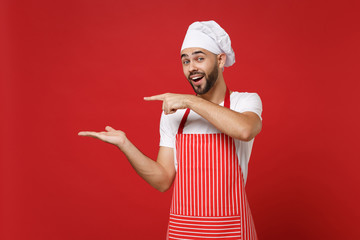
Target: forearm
[[234, 124], [151, 171]]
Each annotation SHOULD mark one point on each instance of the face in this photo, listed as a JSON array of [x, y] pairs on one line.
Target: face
[[200, 68]]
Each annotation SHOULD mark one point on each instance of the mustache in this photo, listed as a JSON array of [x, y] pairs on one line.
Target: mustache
[[195, 73]]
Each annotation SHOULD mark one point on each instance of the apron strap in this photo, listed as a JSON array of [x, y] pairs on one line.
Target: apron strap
[[183, 120], [227, 99]]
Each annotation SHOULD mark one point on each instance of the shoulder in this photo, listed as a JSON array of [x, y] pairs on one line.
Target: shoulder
[[246, 101], [239, 99], [242, 96], [173, 118], [170, 122], [169, 125]]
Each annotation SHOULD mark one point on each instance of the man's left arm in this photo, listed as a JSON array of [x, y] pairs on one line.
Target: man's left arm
[[243, 126]]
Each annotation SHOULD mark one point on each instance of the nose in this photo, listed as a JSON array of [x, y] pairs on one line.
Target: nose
[[192, 66]]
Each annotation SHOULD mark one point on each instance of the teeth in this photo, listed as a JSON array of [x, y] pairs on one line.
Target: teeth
[[196, 78]]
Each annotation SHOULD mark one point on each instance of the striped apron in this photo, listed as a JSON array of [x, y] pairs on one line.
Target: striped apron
[[209, 199]]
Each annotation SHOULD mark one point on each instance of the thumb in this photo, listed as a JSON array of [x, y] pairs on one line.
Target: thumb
[[109, 129]]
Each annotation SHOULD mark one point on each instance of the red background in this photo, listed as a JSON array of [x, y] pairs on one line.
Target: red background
[[81, 65]]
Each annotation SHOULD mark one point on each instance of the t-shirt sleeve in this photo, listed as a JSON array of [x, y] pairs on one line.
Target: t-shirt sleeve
[[249, 102], [167, 136]]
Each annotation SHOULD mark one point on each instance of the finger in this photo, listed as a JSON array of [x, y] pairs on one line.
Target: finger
[[173, 111], [109, 129], [82, 133], [160, 97], [167, 112], [88, 134]]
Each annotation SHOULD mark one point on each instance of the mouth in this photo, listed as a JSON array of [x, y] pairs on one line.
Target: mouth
[[196, 78]]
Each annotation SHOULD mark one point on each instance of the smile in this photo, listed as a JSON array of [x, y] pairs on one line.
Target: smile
[[197, 78]]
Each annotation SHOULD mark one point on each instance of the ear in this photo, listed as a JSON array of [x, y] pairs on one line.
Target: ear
[[221, 60]]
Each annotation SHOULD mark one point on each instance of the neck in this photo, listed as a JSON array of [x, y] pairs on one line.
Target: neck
[[217, 93]]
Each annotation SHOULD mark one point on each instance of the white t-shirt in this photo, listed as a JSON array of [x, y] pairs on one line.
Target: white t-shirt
[[195, 124]]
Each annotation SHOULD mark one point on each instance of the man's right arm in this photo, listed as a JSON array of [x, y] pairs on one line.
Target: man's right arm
[[159, 174]]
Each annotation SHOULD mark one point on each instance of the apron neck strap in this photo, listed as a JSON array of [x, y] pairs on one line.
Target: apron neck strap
[[183, 120], [227, 98]]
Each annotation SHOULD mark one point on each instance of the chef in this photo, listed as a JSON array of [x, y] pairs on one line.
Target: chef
[[205, 143]]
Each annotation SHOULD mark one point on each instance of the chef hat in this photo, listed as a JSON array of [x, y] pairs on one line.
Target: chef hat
[[210, 36]]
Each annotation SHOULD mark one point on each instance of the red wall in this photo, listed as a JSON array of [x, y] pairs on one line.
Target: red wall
[[81, 65]]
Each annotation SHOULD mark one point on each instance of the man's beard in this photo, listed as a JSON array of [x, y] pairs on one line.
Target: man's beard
[[209, 81]]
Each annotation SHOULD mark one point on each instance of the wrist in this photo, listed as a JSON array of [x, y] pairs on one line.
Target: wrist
[[190, 100], [123, 143]]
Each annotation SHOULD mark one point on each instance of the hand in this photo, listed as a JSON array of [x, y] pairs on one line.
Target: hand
[[111, 135], [171, 101]]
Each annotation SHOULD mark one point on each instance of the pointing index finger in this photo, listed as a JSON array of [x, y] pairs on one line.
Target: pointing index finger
[[155, 98]]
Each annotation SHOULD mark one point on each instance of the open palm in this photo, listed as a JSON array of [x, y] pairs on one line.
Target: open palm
[[111, 135]]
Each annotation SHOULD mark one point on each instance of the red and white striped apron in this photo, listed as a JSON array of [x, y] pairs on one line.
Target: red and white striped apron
[[209, 199]]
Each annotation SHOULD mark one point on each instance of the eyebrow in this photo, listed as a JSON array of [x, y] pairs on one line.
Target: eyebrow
[[194, 53]]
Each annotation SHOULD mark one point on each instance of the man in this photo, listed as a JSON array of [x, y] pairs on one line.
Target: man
[[205, 144]]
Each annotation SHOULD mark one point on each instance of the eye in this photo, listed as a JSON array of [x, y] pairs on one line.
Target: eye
[[185, 62], [199, 59]]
